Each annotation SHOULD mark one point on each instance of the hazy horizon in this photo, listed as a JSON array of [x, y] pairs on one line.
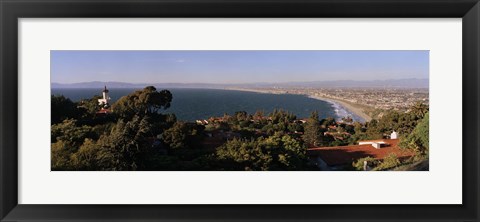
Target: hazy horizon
[[236, 67], [241, 83]]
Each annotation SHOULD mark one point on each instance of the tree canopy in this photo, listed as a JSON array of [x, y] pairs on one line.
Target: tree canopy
[[62, 108], [419, 138], [142, 102], [278, 152], [312, 136]]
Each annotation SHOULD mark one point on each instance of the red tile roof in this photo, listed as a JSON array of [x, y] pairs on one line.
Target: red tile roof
[[376, 141], [340, 155], [103, 111]]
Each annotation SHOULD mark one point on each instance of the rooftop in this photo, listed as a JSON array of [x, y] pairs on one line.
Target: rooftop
[[340, 155]]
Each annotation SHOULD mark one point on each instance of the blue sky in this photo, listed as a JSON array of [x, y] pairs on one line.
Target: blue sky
[[236, 66]]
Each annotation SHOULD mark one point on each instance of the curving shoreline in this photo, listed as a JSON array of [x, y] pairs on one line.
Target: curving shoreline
[[352, 108]]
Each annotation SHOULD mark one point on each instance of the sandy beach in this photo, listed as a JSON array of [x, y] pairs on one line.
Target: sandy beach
[[353, 108]]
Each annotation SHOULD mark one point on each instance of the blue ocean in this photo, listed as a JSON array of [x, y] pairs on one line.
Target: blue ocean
[[194, 104]]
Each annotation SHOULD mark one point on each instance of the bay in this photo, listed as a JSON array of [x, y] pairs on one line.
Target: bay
[[194, 104]]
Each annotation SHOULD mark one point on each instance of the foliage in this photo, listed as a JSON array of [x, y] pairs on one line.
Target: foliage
[[142, 102], [60, 156], [388, 162], [281, 116], [63, 108], [359, 164], [72, 135], [125, 144], [329, 121], [90, 156], [90, 106], [417, 165], [419, 110], [182, 135], [278, 152], [392, 120], [418, 140], [312, 135]]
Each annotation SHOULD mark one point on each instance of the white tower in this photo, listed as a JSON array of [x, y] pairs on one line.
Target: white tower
[[394, 135], [105, 99]]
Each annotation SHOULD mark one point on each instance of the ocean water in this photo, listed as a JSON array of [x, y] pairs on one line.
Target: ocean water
[[193, 104]]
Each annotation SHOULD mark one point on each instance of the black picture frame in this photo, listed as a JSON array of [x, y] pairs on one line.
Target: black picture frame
[[12, 10]]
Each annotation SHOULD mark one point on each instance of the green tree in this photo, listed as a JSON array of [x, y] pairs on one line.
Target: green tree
[[127, 146], [60, 156], [419, 109], [359, 164], [295, 127], [402, 122], [182, 135], [142, 102], [91, 105], [259, 114], [312, 135], [63, 108], [358, 133], [90, 156], [277, 152], [282, 116], [418, 140], [70, 134], [373, 130], [329, 121], [389, 162]]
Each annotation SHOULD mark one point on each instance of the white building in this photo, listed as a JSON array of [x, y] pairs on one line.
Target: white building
[[377, 144], [394, 135], [371, 142], [105, 100]]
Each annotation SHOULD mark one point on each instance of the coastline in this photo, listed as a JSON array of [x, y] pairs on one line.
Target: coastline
[[352, 108]]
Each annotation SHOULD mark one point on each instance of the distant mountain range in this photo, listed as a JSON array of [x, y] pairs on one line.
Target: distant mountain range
[[393, 83]]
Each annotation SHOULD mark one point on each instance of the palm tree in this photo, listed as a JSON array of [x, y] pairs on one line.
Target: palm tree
[[419, 109]]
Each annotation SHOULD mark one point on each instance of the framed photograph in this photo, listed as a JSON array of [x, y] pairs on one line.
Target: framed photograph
[[227, 110]]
